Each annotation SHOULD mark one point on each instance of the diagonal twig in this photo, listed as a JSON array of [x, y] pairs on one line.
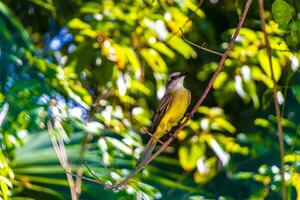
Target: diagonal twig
[[198, 46], [160, 142], [59, 148], [276, 104], [199, 102]]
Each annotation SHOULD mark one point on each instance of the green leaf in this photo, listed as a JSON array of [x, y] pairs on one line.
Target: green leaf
[[181, 47], [89, 33], [119, 145], [190, 154], [90, 8], [171, 184], [224, 124], [258, 75], [154, 60], [294, 157], [81, 57], [133, 59], [267, 98], [282, 12], [262, 122], [220, 80], [164, 49], [21, 36], [296, 92], [265, 64], [44, 4], [104, 72], [78, 24], [242, 175]]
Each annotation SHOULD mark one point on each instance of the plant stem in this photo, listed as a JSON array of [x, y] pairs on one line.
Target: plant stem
[[59, 148], [276, 104]]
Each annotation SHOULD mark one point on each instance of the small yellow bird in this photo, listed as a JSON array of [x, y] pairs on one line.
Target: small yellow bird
[[171, 109]]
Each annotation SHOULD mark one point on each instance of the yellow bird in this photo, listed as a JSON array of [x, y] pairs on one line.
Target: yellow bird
[[171, 109]]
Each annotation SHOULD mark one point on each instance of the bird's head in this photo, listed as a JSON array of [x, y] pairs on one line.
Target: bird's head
[[175, 80]]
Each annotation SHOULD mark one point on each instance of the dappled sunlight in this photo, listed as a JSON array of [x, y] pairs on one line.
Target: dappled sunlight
[[85, 85]]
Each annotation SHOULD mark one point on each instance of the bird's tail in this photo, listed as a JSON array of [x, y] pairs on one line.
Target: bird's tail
[[148, 151]]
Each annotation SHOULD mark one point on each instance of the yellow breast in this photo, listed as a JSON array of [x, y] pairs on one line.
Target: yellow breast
[[176, 110]]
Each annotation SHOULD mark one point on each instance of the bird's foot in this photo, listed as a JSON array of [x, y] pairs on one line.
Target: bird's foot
[[172, 136]]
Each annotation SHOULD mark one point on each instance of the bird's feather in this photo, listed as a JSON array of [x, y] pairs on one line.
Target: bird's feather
[[148, 151], [161, 110]]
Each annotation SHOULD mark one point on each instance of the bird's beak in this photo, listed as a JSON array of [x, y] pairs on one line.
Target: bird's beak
[[183, 74]]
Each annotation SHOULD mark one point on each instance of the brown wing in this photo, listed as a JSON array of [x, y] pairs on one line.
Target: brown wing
[[161, 110]]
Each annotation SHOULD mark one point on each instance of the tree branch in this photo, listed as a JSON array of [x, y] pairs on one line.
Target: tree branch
[[276, 104], [198, 46], [199, 102], [59, 148]]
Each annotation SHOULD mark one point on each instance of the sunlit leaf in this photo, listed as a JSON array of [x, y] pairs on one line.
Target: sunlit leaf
[[182, 47], [90, 7], [89, 32], [154, 60], [133, 59], [209, 171], [260, 76], [164, 49], [189, 155], [224, 124], [265, 64], [262, 122], [292, 157], [296, 183], [220, 79], [77, 23], [282, 12], [119, 145], [44, 4]]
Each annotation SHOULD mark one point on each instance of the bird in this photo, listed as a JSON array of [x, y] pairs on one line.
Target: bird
[[169, 112]]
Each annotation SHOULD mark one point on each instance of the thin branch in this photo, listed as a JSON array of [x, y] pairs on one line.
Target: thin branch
[[276, 104], [198, 46], [152, 135], [60, 151], [87, 179], [92, 173], [199, 102]]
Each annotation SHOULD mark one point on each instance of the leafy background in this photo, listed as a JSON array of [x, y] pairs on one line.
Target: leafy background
[[95, 71]]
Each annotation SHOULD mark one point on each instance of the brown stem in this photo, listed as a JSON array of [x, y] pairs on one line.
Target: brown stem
[[201, 99], [198, 46], [276, 104], [59, 148]]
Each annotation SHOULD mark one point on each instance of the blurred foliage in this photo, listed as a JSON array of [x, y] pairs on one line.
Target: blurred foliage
[[96, 70]]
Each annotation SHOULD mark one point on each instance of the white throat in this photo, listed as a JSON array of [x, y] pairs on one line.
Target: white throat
[[176, 84]]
